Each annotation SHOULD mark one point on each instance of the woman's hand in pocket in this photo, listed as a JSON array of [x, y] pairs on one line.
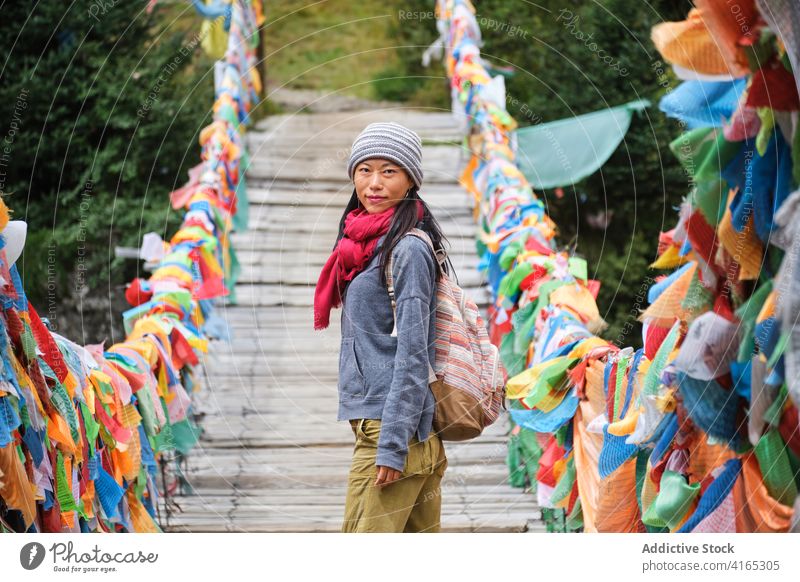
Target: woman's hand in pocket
[[386, 476]]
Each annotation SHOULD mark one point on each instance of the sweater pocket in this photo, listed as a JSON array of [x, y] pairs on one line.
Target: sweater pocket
[[351, 379], [377, 360]]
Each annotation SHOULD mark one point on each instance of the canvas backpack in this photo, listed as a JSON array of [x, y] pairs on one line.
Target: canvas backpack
[[468, 378]]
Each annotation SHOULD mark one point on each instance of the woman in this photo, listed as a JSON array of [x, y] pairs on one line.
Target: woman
[[398, 462]]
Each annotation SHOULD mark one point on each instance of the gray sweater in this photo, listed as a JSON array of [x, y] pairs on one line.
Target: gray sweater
[[384, 377]]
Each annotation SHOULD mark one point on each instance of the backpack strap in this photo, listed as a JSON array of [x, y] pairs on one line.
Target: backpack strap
[[440, 255], [419, 233]]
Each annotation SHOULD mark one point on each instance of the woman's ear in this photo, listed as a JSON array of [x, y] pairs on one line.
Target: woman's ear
[[409, 179]]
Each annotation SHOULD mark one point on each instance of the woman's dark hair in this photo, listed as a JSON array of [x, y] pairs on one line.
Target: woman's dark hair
[[404, 219]]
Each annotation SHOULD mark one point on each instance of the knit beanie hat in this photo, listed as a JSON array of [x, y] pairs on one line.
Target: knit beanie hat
[[391, 141]]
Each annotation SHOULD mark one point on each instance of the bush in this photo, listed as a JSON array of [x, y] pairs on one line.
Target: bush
[[412, 30]]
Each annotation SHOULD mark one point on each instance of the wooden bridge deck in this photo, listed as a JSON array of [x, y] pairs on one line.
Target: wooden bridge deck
[[272, 457]]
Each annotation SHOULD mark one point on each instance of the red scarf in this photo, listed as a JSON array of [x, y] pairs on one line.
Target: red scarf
[[352, 253]]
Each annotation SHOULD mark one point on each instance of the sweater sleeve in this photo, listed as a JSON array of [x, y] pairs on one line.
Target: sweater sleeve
[[414, 273]]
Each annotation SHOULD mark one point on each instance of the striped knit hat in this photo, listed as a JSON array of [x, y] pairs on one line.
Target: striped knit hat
[[391, 141]]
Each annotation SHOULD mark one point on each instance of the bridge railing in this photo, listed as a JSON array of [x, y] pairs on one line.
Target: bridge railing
[[702, 421], [83, 429]]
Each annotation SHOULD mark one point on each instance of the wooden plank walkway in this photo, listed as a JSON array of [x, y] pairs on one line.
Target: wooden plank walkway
[[272, 457]]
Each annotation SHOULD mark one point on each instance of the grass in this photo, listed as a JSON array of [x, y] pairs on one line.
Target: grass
[[440, 142], [330, 45]]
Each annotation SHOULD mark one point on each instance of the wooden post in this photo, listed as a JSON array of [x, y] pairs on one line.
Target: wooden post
[[261, 66]]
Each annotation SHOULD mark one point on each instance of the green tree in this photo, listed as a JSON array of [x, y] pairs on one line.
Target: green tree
[[113, 102]]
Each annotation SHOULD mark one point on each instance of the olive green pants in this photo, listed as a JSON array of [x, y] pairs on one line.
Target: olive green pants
[[413, 503]]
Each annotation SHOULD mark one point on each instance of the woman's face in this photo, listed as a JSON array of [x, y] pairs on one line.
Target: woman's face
[[380, 184]]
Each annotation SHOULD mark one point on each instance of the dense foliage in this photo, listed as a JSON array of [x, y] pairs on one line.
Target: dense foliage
[[109, 101]]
